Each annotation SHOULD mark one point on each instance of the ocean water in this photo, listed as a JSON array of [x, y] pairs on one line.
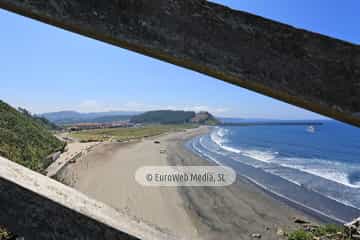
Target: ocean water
[[318, 170]]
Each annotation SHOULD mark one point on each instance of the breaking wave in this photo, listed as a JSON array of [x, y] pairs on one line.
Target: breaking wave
[[330, 170]]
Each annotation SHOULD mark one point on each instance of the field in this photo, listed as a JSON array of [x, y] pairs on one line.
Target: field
[[124, 134]]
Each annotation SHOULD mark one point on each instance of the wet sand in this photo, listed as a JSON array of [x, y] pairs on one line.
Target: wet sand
[[233, 212]]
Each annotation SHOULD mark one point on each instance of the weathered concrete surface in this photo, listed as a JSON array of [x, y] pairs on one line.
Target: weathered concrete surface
[[299, 67], [37, 207]]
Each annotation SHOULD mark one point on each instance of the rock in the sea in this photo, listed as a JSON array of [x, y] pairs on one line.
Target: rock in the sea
[[256, 235], [352, 229], [301, 221]]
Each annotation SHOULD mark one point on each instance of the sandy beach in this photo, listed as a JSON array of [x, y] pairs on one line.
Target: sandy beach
[[234, 212], [74, 150]]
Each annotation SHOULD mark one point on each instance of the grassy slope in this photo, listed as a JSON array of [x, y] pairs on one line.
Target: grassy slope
[[175, 117], [164, 117], [323, 232], [121, 134], [25, 140]]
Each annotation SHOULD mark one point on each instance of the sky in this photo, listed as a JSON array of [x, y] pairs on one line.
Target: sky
[[46, 69]]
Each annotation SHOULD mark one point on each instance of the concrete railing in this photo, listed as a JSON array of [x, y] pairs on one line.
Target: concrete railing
[[303, 68], [37, 207]]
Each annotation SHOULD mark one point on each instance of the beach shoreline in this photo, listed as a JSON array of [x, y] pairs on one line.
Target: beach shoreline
[[306, 199], [237, 211]]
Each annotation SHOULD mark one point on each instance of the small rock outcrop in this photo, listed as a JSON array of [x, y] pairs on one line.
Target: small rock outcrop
[[256, 235], [204, 118], [352, 229]]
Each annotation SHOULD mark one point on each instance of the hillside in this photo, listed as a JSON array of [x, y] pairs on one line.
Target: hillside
[[24, 139], [41, 120], [174, 117], [46, 123]]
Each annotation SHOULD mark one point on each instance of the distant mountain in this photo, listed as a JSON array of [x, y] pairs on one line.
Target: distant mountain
[[57, 117], [25, 139], [110, 119], [72, 117], [174, 117]]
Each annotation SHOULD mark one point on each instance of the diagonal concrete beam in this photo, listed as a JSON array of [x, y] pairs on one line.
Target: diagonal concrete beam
[[39, 208], [303, 68]]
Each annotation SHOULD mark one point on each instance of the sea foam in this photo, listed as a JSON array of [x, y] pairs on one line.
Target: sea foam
[[318, 167], [219, 137]]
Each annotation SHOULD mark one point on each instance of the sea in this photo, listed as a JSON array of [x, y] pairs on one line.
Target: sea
[[315, 169]]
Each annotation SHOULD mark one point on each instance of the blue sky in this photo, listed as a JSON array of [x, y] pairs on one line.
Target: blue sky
[[43, 68]]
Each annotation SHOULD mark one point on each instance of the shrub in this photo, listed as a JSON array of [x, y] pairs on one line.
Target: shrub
[[24, 139], [328, 229], [300, 235]]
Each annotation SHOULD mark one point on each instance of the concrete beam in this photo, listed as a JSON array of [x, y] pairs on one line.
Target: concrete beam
[[39, 208], [306, 69]]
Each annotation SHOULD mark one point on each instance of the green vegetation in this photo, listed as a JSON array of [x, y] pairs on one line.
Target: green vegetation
[[300, 235], [122, 134], [25, 139], [164, 117], [328, 231], [174, 117], [41, 120], [46, 123]]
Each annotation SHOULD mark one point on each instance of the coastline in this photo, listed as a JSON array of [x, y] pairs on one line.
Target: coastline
[[312, 203], [237, 211], [234, 211], [107, 174]]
